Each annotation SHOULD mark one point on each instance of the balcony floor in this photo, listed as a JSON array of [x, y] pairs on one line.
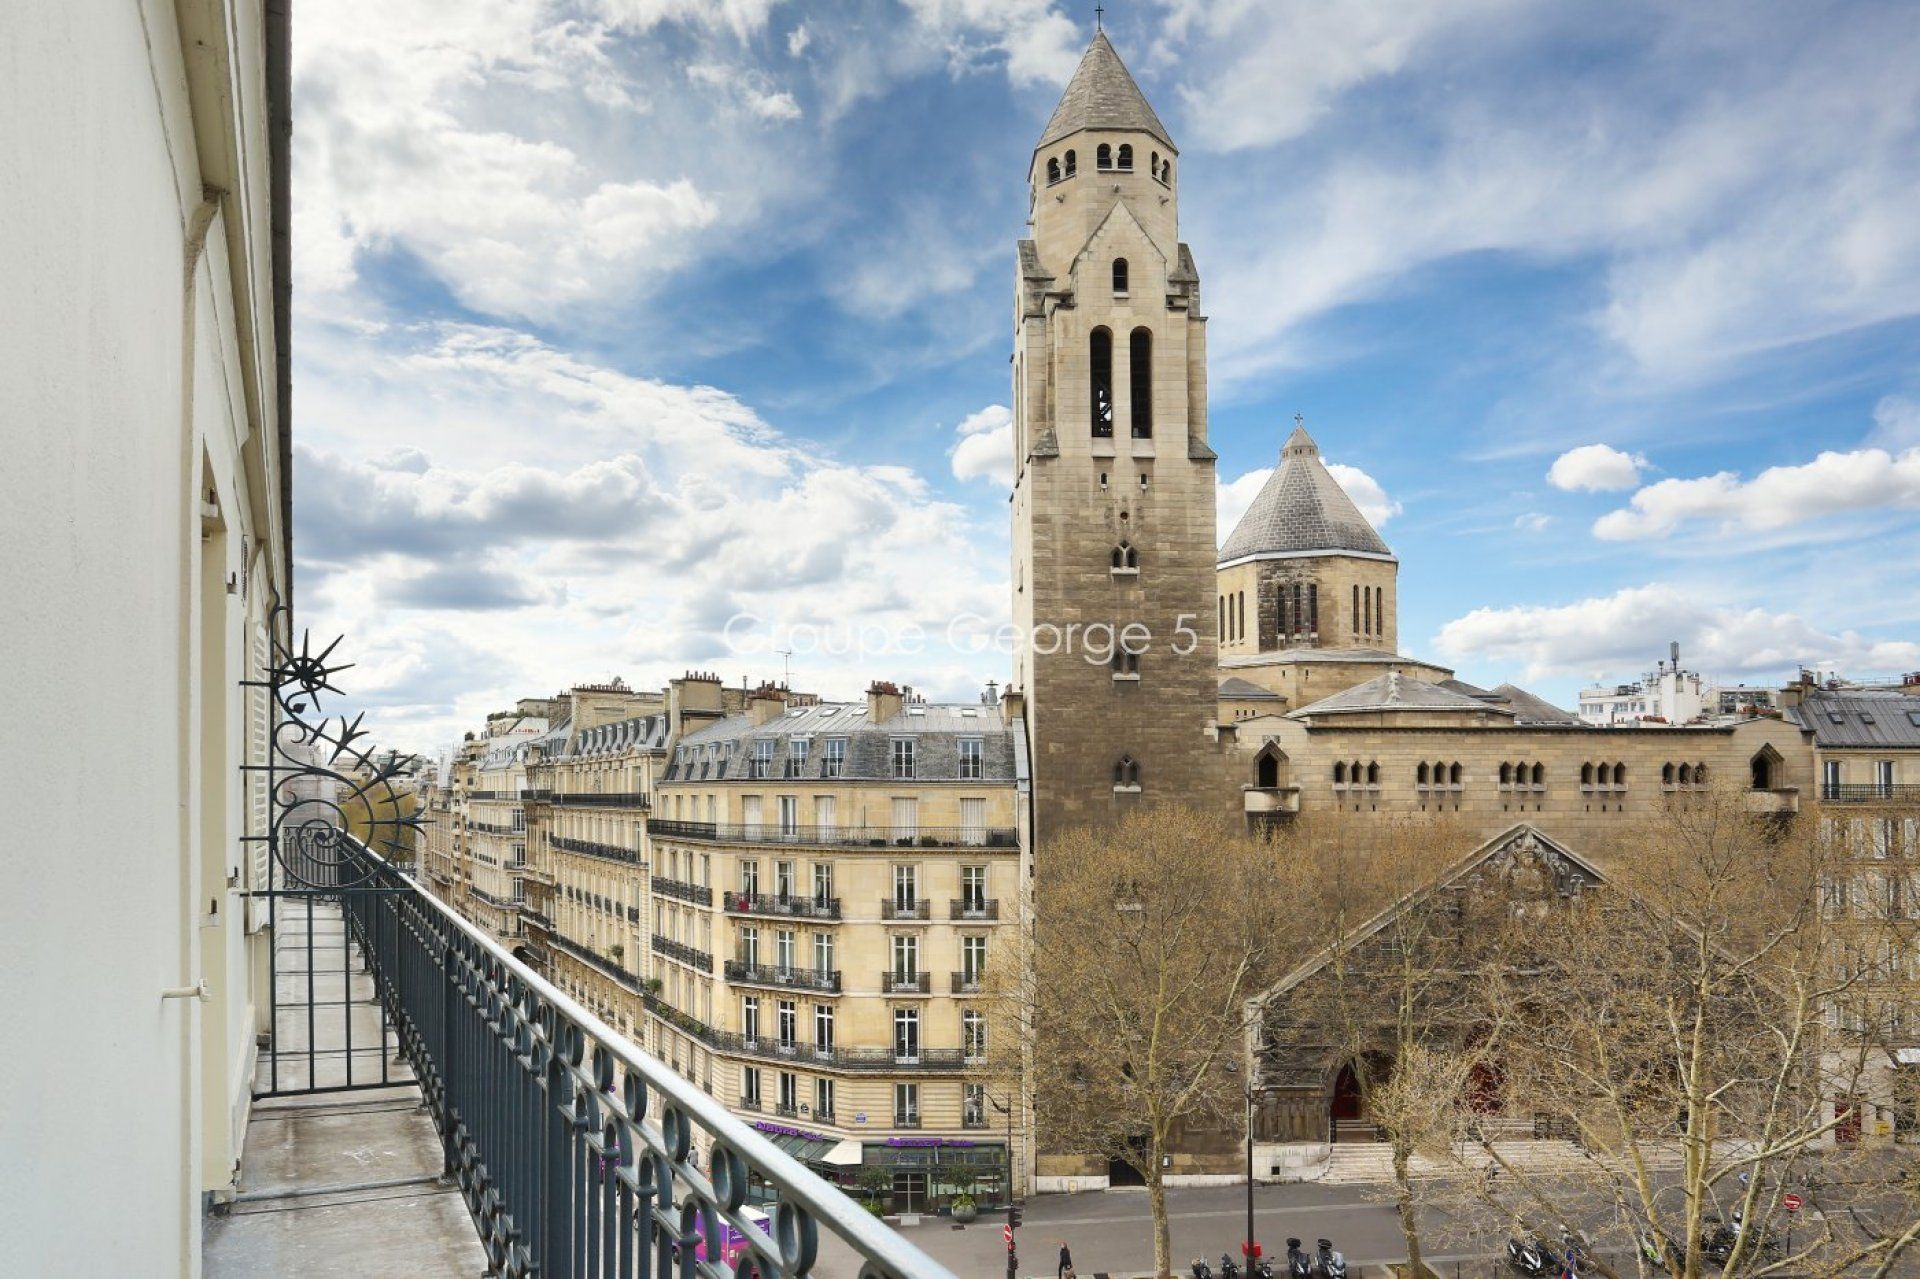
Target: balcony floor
[[340, 1183]]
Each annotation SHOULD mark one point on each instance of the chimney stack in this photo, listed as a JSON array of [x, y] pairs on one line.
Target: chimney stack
[[884, 701], [766, 703]]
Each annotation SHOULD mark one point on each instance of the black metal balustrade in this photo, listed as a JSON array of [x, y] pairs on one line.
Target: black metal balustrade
[[752, 974], [770, 1048], [838, 836], [975, 908], [573, 1148], [620, 799], [791, 907], [1871, 792], [605, 963], [896, 909], [589, 848], [969, 983], [698, 894], [892, 983], [684, 953]]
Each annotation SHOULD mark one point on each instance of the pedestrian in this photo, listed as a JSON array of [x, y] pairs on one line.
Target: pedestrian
[[1066, 1262]]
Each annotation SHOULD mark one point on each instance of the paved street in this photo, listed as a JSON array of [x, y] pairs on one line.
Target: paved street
[[1111, 1232]]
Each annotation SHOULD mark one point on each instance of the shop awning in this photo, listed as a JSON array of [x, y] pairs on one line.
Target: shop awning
[[806, 1149], [844, 1155]]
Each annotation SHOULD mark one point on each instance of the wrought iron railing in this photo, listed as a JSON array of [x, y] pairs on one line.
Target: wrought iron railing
[[893, 983], [772, 1048], [684, 953], [898, 909], [1871, 792], [838, 836], [964, 908], [698, 894], [590, 848], [576, 1152], [623, 799], [752, 974], [792, 907]]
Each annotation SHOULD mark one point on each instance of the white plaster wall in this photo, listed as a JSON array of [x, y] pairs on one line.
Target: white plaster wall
[[105, 1145]]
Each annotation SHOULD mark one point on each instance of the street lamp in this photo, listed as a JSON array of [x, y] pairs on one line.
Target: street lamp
[[1249, 1249], [1013, 1214]]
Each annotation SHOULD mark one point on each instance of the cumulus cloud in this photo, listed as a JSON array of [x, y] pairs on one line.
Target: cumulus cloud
[[1833, 483], [1605, 635], [1233, 497], [985, 447], [1038, 43], [1595, 468]]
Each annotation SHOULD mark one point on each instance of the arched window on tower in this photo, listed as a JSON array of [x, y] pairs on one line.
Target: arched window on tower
[[1421, 776], [1153, 164], [1119, 275], [1100, 385], [1125, 557], [1166, 169], [1140, 375], [1539, 774], [1454, 774], [1053, 170], [1126, 774], [1103, 157], [1506, 774], [1123, 159], [1072, 163]]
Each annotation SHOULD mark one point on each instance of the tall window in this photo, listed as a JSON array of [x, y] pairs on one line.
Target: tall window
[[973, 956], [1119, 275], [750, 1018], [750, 1087], [789, 1093], [1072, 163], [783, 948], [797, 755], [973, 1035], [789, 810], [789, 1023], [823, 952], [906, 957], [973, 821], [1053, 170], [973, 1106], [750, 878], [823, 1027], [906, 1105], [1100, 386], [971, 758], [1123, 158], [903, 757], [973, 887], [750, 946], [823, 1099], [1140, 378], [906, 1034], [823, 878], [763, 757], [1103, 157], [835, 760], [783, 871]]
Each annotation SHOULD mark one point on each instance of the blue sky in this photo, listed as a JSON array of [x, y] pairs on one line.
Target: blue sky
[[616, 319]]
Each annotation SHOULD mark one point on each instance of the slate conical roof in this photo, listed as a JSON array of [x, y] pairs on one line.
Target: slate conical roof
[[1300, 509], [1102, 95]]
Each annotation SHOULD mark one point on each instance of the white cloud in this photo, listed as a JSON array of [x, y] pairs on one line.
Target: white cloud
[[1779, 497], [751, 89], [985, 447], [1606, 636], [797, 40], [1595, 468], [1233, 497], [1896, 423], [1040, 44], [1532, 522]]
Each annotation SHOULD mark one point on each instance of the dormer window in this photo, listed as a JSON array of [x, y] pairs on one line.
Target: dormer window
[[1123, 159], [1120, 275], [1103, 157]]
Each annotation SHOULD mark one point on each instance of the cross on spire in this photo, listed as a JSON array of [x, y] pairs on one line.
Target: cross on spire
[[1299, 419], [1099, 13]]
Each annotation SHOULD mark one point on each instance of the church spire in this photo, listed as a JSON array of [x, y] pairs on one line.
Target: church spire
[[1103, 95]]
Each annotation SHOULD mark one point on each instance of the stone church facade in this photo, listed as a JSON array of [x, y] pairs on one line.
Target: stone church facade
[[1270, 679]]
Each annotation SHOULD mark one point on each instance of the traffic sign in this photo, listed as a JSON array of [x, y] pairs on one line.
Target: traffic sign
[[1006, 1233], [1791, 1202]]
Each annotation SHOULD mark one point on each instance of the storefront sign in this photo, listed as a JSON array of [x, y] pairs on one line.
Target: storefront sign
[[784, 1131]]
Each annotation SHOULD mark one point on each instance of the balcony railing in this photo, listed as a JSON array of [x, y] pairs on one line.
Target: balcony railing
[[698, 894], [767, 1048], [1871, 792], [895, 909], [892, 983], [586, 954], [684, 953], [969, 983], [964, 908], [838, 836], [498, 1051], [620, 799], [589, 848], [909, 1120], [791, 907], [753, 974]]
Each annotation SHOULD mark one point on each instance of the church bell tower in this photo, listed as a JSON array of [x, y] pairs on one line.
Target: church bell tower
[[1113, 501]]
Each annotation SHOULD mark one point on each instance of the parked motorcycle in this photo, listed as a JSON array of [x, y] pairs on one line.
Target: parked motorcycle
[[1532, 1258], [1262, 1269], [1719, 1238], [1332, 1265], [1299, 1262], [1201, 1270], [1228, 1268]]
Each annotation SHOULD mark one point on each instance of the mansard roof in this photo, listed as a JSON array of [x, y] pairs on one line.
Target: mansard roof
[[1302, 510], [1397, 692], [1103, 95]]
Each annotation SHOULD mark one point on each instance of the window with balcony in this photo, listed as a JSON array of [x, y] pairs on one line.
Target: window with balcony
[[823, 1028], [750, 946], [903, 757], [834, 762], [906, 957], [906, 888], [823, 953], [783, 949], [789, 810], [750, 1087], [750, 1018], [973, 1035], [972, 758], [973, 958], [973, 889], [789, 1093], [789, 1023], [906, 1034], [823, 1099], [822, 882], [783, 877]]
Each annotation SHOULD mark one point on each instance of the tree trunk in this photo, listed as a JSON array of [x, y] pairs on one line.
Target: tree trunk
[[1403, 1203], [1157, 1201]]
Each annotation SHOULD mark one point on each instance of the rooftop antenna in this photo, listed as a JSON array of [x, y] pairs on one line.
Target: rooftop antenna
[[786, 667]]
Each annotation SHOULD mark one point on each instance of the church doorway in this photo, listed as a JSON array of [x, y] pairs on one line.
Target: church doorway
[[1346, 1114]]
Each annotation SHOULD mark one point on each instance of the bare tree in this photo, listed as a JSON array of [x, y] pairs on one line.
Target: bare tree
[[1692, 1021], [1150, 939]]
